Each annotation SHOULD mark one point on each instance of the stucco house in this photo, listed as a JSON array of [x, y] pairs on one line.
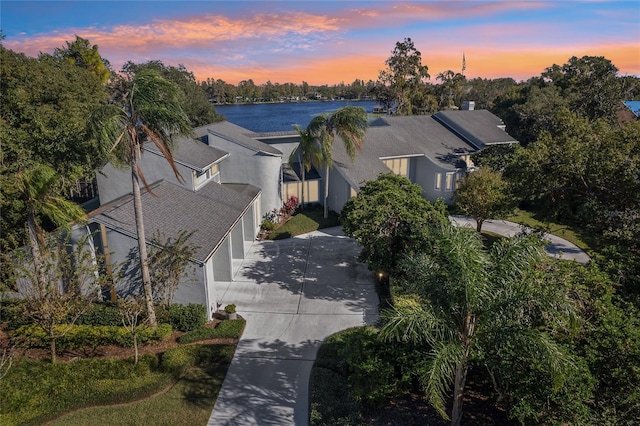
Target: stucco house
[[431, 151], [223, 217], [232, 177]]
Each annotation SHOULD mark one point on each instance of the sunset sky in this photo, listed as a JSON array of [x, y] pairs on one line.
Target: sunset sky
[[328, 42]]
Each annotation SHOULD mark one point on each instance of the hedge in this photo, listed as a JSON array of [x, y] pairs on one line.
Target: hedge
[[228, 328], [78, 336]]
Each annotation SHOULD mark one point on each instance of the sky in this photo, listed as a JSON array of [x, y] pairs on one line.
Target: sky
[[329, 42]]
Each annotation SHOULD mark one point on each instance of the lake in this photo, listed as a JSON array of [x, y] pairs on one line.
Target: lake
[[278, 117]]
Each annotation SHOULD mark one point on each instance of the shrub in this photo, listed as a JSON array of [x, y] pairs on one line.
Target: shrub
[[230, 308], [187, 317], [232, 329], [177, 360], [101, 314], [79, 336], [267, 225], [12, 313]]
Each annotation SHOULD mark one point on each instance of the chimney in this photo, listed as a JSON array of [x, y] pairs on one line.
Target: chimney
[[468, 105]]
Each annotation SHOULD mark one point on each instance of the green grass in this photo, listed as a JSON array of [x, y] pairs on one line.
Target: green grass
[[533, 220], [308, 220], [35, 391], [490, 238], [227, 328]]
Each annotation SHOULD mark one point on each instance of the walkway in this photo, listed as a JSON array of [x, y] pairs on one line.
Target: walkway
[[557, 247], [293, 293]]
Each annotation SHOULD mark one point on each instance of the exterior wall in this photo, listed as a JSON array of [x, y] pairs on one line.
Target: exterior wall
[[339, 191], [237, 241], [114, 183], [425, 176], [249, 223], [247, 166], [222, 262], [123, 250]]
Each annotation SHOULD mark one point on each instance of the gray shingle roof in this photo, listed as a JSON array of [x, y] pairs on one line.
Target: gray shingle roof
[[396, 136], [239, 135], [210, 212], [192, 153], [478, 127]]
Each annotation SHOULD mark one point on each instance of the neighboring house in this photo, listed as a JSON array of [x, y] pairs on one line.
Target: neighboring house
[[431, 151], [628, 111]]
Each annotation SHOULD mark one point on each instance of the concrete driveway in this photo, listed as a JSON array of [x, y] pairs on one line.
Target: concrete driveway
[[293, 293]]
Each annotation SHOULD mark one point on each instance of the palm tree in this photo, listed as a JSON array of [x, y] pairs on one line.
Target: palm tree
[[39, 186], [472, 301], [350, 124], [145, 109], [306, 153]]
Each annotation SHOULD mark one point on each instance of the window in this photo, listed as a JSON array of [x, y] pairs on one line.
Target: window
[[399, 166], [438, 184], [311, 192], [202, 177], [449, 182]]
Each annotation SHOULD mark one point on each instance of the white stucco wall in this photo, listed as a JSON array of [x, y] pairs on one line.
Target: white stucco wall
[[248, 166]]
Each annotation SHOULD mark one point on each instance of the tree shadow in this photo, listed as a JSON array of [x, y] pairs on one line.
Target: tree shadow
[[267, 386], [318, 267]]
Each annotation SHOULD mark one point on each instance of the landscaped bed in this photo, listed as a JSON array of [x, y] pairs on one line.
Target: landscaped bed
[[172, 383]]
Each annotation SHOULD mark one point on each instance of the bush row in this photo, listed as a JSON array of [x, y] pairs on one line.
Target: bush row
[[229, 328], [82, 336], [180, 317]]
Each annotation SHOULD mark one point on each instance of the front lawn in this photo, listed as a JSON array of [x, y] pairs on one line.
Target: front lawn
[[308, 220], [171, 384], [532, 220]]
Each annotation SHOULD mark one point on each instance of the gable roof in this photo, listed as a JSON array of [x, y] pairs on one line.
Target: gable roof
[[210, 213], [238, 135], [192, 153], [396, 137], [478, 127]]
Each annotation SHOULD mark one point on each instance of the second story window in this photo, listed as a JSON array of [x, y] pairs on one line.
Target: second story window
[[201, 178]]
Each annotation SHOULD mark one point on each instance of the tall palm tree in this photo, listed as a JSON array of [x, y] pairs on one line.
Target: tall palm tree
[[145, 109], [350, 124], [39, 186], [472, 301], [306, 153]]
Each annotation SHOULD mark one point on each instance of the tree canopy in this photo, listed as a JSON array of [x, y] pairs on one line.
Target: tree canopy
[[389, 219], [483, 194]]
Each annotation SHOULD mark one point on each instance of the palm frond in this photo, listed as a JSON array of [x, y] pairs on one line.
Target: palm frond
[[440, 374]]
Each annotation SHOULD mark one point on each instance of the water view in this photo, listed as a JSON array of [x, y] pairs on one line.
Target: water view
[[283, 116]]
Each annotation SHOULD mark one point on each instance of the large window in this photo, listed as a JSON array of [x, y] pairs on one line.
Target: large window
[[399, 166], [311, 192]]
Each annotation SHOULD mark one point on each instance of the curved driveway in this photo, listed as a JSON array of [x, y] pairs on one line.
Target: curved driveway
[[293, 293]]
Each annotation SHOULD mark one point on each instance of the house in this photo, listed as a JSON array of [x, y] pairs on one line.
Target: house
[[431, 151], [223, 218], [231, 178], [249, 160]]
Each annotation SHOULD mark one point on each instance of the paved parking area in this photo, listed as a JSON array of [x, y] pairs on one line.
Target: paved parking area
[[293, 293]]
